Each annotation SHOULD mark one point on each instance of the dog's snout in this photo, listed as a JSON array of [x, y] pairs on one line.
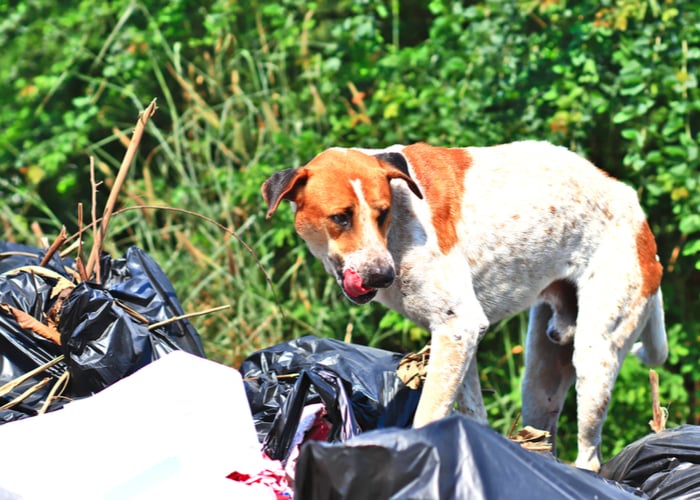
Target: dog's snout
[[380, 278]]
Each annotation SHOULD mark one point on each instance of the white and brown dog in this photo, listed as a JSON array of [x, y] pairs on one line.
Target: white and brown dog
[[457, 239]]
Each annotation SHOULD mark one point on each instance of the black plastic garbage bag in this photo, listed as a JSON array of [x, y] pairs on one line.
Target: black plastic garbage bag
[[103, 341], [280, 380], [137, 281], [453, 458], [333, 392], [662, 465], [14, 255], [100, 341], [21, 350]]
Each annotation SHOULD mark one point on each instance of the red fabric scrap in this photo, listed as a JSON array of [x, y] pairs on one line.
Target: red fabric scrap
[[273, 476]]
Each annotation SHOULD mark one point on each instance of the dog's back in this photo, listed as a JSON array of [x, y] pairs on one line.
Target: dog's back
[[531, 213]]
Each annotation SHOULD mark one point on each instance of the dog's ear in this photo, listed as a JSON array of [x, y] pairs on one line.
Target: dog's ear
[[282, 185], [398, 169]]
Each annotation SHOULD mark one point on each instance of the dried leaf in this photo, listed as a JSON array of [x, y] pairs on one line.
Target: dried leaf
[[28, 322], [413, 368], [533, 439]]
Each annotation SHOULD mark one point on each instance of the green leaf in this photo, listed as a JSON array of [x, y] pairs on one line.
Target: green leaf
[[690, 224], [678, 152], [630, 133], [634, 90], [692, 247], [626, 114]]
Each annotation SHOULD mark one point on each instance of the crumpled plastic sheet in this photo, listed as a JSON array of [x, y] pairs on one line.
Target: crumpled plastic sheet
[[101, 343], [664, 465], [22, 351], [453, 458], [334, 394], [358, 386]]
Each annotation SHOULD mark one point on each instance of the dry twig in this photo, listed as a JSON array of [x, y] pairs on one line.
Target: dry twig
[[185, 316], [4, 255], [55, 246], [121, 176], [659, 415], [80, 259], [12, 384], [26, 394], [55, 392], [96, 234]]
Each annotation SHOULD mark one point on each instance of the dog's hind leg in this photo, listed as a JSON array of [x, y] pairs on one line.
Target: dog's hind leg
[[549, 373], [612, 314]]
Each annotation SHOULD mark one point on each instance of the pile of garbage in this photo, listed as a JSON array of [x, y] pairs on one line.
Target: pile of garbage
[[310, 418], [60, 340]]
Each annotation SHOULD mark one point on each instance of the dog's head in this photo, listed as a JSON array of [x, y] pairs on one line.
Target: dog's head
[[342, 205]]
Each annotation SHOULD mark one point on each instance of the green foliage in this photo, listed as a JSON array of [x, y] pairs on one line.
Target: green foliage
[[246, 88]]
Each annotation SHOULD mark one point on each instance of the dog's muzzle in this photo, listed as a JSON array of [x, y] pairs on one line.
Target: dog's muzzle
[[361, 290]]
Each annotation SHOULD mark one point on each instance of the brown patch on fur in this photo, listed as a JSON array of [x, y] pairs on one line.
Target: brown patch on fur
[[440, 173], [328, 178], [648, 264]]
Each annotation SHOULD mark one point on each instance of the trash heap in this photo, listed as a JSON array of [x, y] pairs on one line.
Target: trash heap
[[70, 329], [337, 416], [310, 418], [61, 340]]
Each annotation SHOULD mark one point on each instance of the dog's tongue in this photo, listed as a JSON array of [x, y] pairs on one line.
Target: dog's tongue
[[352, 282]]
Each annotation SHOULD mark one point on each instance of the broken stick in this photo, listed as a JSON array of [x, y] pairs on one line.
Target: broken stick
[[659, 416]]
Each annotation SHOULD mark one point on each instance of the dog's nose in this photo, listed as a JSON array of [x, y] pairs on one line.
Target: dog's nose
[[380, 279]]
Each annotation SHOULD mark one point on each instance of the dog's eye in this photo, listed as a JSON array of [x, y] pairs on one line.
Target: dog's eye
[[382, 217], [342, 219]]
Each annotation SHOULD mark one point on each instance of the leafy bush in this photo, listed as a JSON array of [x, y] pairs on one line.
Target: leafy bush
[[246, 88]]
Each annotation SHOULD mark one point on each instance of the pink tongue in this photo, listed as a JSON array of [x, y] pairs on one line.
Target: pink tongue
[[352, 282]]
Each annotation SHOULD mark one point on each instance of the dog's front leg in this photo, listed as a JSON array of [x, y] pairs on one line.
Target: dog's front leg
[[470, 401], [452, 351]]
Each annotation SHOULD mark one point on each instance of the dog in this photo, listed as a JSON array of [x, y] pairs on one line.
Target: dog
[[456, 239]]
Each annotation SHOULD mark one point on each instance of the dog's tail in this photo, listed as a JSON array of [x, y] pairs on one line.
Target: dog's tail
[[653, 348]]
